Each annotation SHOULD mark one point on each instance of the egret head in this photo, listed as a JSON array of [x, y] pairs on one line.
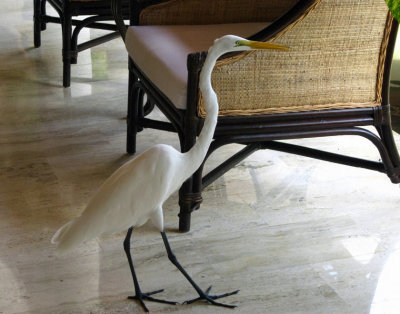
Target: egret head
[[235, 43]]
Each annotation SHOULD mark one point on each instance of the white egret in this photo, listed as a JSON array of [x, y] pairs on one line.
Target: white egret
[[136, 192]]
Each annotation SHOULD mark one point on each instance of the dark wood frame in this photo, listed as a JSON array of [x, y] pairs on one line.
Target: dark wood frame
[[259, 131], [97, 12]]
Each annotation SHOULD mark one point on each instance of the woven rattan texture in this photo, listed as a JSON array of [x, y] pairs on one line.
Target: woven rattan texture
[[336, 51], [214, 11]]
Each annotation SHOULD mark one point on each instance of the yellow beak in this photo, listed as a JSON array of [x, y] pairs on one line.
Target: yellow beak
[[260, 45]]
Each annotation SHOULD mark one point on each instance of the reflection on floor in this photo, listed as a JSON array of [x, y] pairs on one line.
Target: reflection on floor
[[294, 235]]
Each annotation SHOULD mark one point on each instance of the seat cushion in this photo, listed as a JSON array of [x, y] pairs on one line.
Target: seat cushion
[[161, 51]]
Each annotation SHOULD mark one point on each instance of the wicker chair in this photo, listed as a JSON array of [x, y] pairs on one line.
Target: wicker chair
[[95, 11], [333, 81]]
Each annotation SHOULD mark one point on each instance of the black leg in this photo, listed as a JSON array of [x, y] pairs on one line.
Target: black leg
[[37, 22], [43, 13], [203, 295], [186, 205], [132, 116], [139, 295], [66, 30]]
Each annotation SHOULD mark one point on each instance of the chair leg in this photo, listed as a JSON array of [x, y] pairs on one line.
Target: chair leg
[[66, 50], [185, 205], [141, 93], [74, 51], [132, 116], [43, 25], [74, 42], [386, 134], [189, 199], [37, 22]]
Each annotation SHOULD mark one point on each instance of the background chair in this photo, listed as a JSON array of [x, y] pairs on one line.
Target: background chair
[[334, 81], [95, 12]]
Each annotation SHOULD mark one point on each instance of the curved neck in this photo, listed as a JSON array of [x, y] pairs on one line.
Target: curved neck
[[198, 152]]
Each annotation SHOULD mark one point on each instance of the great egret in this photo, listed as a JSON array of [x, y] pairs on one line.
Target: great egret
[[136, 192]]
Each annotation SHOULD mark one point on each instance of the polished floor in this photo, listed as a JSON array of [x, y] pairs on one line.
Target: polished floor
[[294, 235]]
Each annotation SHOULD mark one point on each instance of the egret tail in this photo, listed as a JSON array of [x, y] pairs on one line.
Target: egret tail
[[66, 239]]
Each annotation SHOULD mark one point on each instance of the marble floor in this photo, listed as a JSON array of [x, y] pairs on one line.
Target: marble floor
[[294, 235]]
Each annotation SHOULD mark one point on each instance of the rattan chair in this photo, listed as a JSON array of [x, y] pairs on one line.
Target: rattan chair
[[333, 81], [95, 12]]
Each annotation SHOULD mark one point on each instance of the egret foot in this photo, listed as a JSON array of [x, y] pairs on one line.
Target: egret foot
[[140, 296], [210, 298], [202, 295]]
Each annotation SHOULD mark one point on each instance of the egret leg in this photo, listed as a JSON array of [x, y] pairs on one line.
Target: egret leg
[[203, 295], [139, 295]]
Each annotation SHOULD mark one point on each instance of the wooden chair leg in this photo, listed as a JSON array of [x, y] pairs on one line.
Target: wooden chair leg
[[185, 205], [190, 192], [139, 126], [193, 199], [386, 134], [66, 51], [43, 25], [133, 111], [189, 199], [37, 22], [74, 49]]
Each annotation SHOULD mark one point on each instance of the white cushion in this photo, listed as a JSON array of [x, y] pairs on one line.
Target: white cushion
[[161, 51]]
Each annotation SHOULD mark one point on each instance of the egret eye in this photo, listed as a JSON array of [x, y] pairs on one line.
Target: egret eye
[[237, 43]]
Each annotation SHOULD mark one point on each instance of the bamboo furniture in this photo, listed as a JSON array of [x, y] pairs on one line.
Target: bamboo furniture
[[96, 12], [333, 82]]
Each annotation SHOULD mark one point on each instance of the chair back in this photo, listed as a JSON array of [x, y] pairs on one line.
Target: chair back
[[337, 60], [187, 12]]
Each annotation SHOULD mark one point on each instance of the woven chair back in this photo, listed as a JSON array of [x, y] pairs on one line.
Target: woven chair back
[[214, 11], [337, 56]]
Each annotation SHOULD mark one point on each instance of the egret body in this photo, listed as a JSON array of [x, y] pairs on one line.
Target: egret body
[[135, 192]]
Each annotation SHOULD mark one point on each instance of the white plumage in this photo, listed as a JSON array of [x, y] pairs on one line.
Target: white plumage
[[129, 197]]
